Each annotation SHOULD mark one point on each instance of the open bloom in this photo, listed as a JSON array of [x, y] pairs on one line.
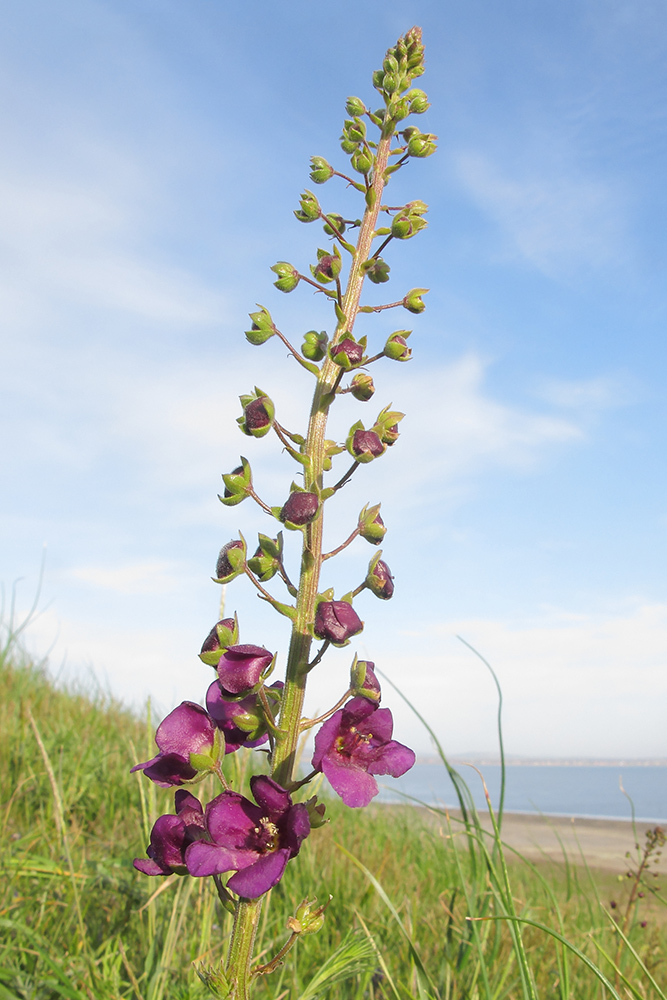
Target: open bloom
[[336, 621], [188, 729], [170, 837], [241, 667], [254, 841], [353, 745]]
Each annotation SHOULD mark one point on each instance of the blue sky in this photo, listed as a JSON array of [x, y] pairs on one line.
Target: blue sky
[[153, 154]]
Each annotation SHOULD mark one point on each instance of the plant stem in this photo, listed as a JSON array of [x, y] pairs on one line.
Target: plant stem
[[240, 949]]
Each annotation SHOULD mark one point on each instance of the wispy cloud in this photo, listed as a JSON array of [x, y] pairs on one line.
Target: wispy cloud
[[135, 578], [550, 214]]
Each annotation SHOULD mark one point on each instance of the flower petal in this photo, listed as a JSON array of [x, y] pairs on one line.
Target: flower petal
[[297, 828], [231, 820], [185, 730], [326, 736], [393, 758], [355, 786], [270, 796], [210, 859], [261, 876]]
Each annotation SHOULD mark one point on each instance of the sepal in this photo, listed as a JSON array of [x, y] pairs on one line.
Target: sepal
[[262, 327], [231, 560], [371, 526], [413, 300], [320, 170], [288, 276], [309, 207], [314, 345], [238, 484], [258, 413], [396, 347]]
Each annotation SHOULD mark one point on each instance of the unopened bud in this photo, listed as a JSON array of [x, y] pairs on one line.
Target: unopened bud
[[328, 266], [379, 579], [362, 387], [225, 633], [355, 107], [421, 145], [238, 484], [267, 559], [262, 327], [288, 276], [413, 300], [418, 101], [314, 345], [316, 811], [362, 160], [363, 682], [231, 561], [309, 208], [338, 221], [320, 170], [364, 445], [396, 347], [376, 270], [258, 414], [347, 353], [371, 525], [300, 508]]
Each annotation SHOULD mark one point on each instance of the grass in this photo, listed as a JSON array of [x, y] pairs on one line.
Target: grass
[[424, 904]]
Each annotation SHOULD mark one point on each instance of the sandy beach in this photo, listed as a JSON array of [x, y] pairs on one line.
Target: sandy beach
[[601, 843]]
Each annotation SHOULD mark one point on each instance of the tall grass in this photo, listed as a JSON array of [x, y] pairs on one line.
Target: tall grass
[[425, 902]]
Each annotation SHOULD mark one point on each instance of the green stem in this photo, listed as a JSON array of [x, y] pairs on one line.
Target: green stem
[[238, 971]]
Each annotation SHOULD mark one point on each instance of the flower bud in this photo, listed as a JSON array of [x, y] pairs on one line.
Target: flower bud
[[258, 414], [307, 921], [355, 107], [328, 266], [238, 484], [364, 445], [267, 559], [314, 345], [262, 327], [347, 145], [354, 130], [379, 579], [231, 561], [371, 525], [421, 145], [320, 170], [407, 224], [288, 276], [347, 352], [376, 270], [241, 668], [336, 621], [362, 387], [309, 209], [338, 221], [413, 300], [396, 347], [363, 682], [418, 100], [222, 635], [300, 508], [362, 160], [316, 811], [386, 425]]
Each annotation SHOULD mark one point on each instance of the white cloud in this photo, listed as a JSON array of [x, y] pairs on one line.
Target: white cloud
[[135, 578], [559, 220]]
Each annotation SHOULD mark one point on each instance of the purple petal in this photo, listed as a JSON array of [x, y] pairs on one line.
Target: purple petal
[[326, 737], [393, 758], [358, 709], [270, 796], [168, 769], [210, 859], [381, 725], [150, 867], [231, 820], [355, 786], [240, 667], [184, 800], [297, 828], [261, 876], [185, 730]]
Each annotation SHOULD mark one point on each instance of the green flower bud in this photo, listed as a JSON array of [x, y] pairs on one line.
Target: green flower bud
[[309, 209], [413, 300], [348, 353], [400, 109], [288, 276], [258, 414], [355, 107], [362, 387], [347, 145], [419, 102], [363, 445], [306, 920], [238, 484], [231, 560], [396, 347], [407, 224], [390, 64], [378, 81], [376, 270], [328, 266], [224, 634], [262, 327], [371, 526], [316, 813], [267, 559], [362, 160], [320, 170], [390, 83], [421, 145], [354, 130], [386, 425], [379, 579], [314, 345], [338, 221]]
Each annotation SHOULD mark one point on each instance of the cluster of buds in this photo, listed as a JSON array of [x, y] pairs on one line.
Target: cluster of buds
[[245, 844]]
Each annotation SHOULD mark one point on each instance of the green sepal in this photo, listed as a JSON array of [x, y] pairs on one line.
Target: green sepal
[[262, 327], [368, 529], [376, 270], [413, 300], [320, 170], [340, 315], [214, 979], [394, 349], [236, 558], [288, 276], [387, 419], [266, 565], [331, 448], [326, 493], [309, 209], [248, 398], [226, 637], [328, 267], [336, 220], [355, 107], [288, 610], [237, 483]]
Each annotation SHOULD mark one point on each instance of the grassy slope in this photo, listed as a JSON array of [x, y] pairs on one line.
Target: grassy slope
[[77, 921]]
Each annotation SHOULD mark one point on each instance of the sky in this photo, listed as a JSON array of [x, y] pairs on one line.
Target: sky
[[153, 154]]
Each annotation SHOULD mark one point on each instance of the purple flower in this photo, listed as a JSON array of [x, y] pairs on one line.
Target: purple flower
[[353, 745], [300, 508], [241, 667], [170, 837], [254, 841], [224, 713], [336, 621], [347, 353], [188, 729]]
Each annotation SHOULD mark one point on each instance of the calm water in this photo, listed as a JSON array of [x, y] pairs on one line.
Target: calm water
[[557, 790]]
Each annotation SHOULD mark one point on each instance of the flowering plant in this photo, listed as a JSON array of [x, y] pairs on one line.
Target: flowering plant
[[245, 846]]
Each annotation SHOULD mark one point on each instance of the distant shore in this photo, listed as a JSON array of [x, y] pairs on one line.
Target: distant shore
[[493, 761], [599, 843]]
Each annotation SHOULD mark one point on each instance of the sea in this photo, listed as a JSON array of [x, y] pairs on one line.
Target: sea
[[590, 791]]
